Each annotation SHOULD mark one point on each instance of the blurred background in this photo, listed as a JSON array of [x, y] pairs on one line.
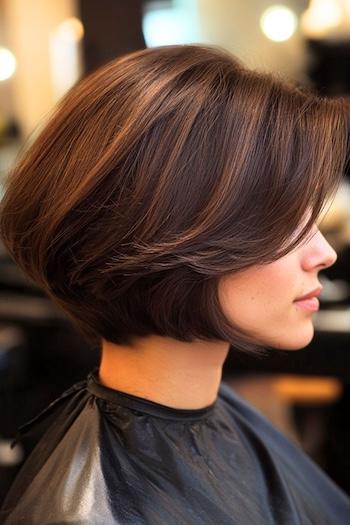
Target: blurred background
[[45, 47]]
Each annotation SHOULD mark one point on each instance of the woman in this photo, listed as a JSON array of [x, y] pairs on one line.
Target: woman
[[170, 207]]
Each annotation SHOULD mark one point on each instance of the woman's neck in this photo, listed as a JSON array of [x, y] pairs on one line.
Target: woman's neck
[[164, 370]]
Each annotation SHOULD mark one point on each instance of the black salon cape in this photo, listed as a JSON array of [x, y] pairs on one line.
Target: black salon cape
[[107, 458]]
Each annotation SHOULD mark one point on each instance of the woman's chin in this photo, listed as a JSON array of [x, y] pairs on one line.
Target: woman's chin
[[296, 340]]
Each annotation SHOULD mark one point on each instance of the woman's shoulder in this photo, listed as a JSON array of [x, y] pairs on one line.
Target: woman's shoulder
[[272, 446], [255, 426]]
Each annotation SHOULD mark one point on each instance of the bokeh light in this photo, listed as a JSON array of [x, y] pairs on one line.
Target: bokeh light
[[7, 63], [71, 29], [278, 23]]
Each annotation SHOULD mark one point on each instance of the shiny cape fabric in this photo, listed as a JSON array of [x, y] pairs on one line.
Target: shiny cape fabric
[[104, 457]]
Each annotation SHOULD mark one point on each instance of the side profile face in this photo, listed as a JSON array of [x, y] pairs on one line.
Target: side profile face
[[262, 299]]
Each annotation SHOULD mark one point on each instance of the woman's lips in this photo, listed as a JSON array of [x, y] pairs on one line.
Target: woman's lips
[[309, 301], [311, 304], [314, 293]]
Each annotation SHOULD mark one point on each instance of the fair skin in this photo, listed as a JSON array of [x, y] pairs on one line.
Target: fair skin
[[261, 299]]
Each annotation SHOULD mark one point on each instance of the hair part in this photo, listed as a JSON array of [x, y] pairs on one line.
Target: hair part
[[161, 172]]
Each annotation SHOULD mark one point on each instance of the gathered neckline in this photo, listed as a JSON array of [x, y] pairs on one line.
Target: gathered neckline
[[140, 404]]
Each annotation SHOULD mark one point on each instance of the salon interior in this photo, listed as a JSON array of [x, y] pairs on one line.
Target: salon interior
[[45, 48]]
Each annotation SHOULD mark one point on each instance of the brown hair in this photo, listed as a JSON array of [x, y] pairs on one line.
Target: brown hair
[[159, 173]]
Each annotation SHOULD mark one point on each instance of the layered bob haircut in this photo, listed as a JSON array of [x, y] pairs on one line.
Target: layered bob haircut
[[161, 172]]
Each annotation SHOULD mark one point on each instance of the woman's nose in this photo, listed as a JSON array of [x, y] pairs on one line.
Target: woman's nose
[[320, 254]]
